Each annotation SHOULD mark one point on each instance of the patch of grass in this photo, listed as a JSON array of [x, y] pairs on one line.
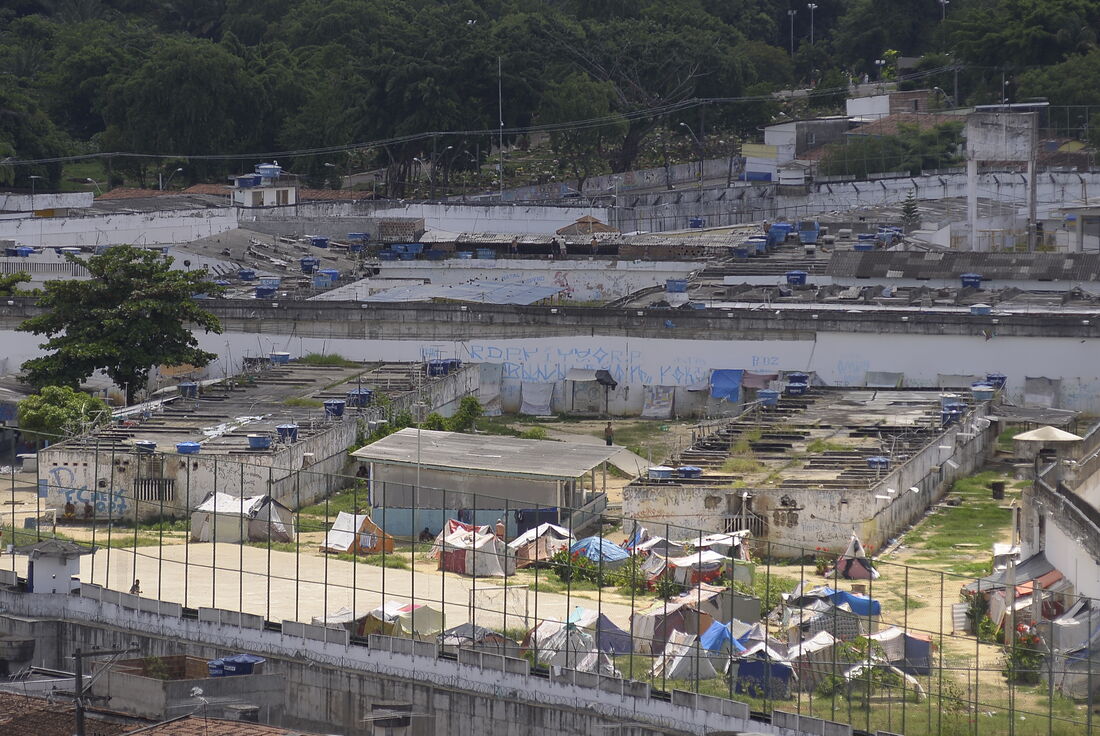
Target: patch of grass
[[304, 403], [331, 360], [977, 520], [912, 604], [534, 433], [742, 465], [1004, 439], [394, 561], [350, 500], [822, 445]]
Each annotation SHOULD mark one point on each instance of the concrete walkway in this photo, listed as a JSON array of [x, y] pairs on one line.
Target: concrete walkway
[[284, 586]]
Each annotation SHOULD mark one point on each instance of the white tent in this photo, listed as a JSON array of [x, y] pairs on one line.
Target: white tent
[[570, 647], [352, 533], [540, 544], [411, 620], [731, 545], [683, 659], [475, 554], [700, 566], [225, 518]]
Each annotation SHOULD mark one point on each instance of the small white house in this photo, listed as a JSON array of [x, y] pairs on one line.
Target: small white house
[[269, 186], [53, 565]]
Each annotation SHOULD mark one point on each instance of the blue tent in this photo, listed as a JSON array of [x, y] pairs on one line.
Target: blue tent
[[759, 677], [861, 605], [600, 551], [718, 637]]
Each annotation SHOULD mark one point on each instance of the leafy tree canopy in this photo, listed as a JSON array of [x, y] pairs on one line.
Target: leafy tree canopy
[[133, 314], [60, 411], [9, 284]]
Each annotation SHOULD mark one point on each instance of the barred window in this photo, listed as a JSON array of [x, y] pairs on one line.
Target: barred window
[[154, 489]]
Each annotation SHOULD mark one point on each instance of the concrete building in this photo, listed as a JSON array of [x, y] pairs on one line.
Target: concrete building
[[785, 142], [268, 186], [421, 478], [805, 474], [267, 432]]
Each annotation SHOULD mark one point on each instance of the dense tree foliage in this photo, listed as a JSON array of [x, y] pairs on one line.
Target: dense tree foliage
[[911, 150], [56, 412], [184, 78], [133, 314]]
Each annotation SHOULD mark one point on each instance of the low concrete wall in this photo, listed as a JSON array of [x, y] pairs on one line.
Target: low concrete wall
[[335, 685], [145, 228]]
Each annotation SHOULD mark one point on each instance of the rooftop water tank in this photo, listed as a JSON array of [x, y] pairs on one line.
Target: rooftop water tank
[[359, 397], [768, 397], [309, 263], [188, 448], [676, 286], [264, 292], [982, 391], [246, 274], [269, 171], [259, 442], [287, 432], [996, 380], [335, 407], [796, 278], [971, 280]]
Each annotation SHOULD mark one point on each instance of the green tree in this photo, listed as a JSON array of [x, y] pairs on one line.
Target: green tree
[[910, 215], [912, 150], [133, 314], [60, 411], [9, 285], [581, 152]]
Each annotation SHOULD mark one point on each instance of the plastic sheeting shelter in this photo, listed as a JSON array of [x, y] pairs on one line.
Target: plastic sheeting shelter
[[722, 637], [477, 554], [410, 620], [730, 545], [860, 605], [573, 648], [764, 673], [607, 636], [471, 636], [344, 618], [224, 518], [600, 551], [854, 564], [700, 567], [726, 384], [356, 534], [909, 652], [838, 620], [539, 544], [814, 659], [683, 659]]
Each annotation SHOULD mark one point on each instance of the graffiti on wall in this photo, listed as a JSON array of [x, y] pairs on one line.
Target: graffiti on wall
[[112, 502]]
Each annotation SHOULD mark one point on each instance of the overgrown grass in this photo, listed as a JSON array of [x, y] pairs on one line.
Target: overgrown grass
[[349, 500], [303, 403], [333, 360], [821, 445], [1004, 439], [741, 464], [978, 519]]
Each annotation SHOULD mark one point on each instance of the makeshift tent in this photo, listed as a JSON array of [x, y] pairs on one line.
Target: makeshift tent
[[344, 618], [224, 518], [450, 526], [692, 612], [601, 551], [638, 536], [702, 567], [1071, 630], [907, 651], [535, 398], [586, 225], [725, 384], [823, 615], [858, 674], [1032, 568], [657, 401], [763, 672], [653, 626], [814, 659], [476, 554], [730, 545], [471, 636], [722, 638], [717, 602], [356, 534], [607, 636], [570, 647], [853, 564], [1075, 670], [1003, 554], [411, 620], [539, 544], [860, 605], [683, 659], [660, 546]]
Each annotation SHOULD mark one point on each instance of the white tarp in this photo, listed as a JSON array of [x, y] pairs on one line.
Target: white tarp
[[536, 398], [225, 518], [683, 659], [657, 401], [341, 537], [532, 534], [484, 554]]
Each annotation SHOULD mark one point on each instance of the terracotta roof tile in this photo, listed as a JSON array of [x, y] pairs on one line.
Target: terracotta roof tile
[[197, 726], [131, 193], [28, 716], [890, 124]]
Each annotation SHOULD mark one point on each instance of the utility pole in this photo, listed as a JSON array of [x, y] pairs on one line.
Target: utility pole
[[78, 684], [791, 14]]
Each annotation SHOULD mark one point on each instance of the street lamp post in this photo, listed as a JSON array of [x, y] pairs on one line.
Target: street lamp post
[[943, 9], [791, 14], [812, 7], [698, 143], [881, 64], [164, 184], [89, 180]]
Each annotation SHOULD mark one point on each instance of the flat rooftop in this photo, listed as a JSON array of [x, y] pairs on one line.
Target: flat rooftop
[[820, 440], [487, 454], [226, 412]]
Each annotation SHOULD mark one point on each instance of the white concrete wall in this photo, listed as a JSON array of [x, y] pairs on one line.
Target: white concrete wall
[[44, 201], [873, 106], [171, 226], [456, 218]]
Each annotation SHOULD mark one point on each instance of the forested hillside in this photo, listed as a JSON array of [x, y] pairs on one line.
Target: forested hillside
[[225, 78]]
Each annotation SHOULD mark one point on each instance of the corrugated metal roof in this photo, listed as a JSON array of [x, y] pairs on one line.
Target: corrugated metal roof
[[477, 292]]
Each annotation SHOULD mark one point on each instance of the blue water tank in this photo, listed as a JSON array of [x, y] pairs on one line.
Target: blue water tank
[[768, 397], [332, 273], [465, 254], [355, 248], [486, 254], [697, 223], [259, 442], [798, 377], [689, 471], [335, 407], [24, 251], [246, 274], [996, 380], [242, 664], [188, 448], [971, 280], [760, 247], [796, 278], [982, 391], [216, 667], [439, 367], [878, 463], [264, 292], [863, 247], [740, 251], [189, 390], [318, 242], [309, 263], [676, 286], [279, 358], [271, 282], [797, 389], [287, 432], [321, 281], [145, 446], [359, 397]]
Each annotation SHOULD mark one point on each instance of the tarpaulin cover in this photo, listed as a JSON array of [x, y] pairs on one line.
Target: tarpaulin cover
[[488, 392], [657, 401], [608, 637], [726, 384], [598, 548], [718, 637], [758, 380], [883, 379], [536, 398], [861, 605]]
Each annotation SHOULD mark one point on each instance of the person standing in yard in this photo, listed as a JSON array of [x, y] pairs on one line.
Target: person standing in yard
[[609, 434]]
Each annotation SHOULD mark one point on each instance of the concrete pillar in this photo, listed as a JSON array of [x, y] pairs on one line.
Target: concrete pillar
[[1079, 232], [972, 202]]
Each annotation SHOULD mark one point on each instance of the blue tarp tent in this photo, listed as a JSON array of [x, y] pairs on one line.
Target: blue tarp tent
[[718, 637], [861, 605], [760, 677], [600, 551], [726, 384]]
